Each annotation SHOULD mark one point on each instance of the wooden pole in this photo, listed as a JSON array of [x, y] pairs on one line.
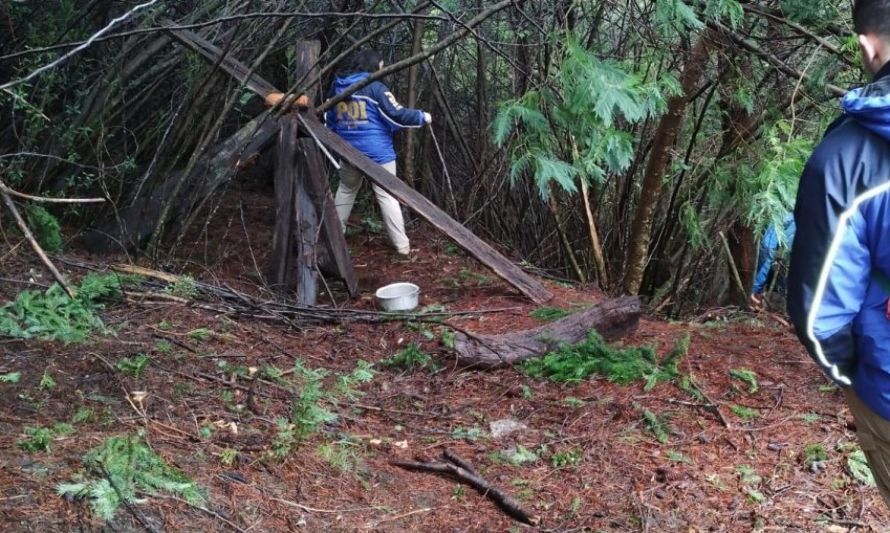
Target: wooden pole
[[304, 229], [281, 261]]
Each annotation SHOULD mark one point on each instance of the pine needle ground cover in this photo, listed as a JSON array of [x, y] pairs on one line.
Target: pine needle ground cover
[[622, 365]]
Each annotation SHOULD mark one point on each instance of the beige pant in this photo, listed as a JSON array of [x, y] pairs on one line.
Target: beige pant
[[350, 183], [873, 432]]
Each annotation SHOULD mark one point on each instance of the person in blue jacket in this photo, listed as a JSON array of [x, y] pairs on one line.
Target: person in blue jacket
[[838, 286], [769, 246], [367, 120]]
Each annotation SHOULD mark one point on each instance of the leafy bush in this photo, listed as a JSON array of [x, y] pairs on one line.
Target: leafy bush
[[45, 228], [575, 126], [122, 467], [54, 316], [622, 365]]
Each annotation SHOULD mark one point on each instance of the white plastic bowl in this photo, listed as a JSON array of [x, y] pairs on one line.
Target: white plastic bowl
[[398, 296]]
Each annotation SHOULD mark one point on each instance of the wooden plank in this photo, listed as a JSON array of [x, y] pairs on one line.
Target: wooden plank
[[281, 262], [466, 239], [227, 63], [304, 234], [331, 232]]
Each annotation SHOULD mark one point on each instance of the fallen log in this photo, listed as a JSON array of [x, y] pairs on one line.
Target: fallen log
[[612, 319]]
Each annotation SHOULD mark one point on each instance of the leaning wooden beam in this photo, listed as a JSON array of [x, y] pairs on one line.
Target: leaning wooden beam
[[612, 319], [315, 180], [228, 64], [131, 226], [422, 206]]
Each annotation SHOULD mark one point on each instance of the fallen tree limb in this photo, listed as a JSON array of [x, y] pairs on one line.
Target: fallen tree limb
[[43, 199], [26, 231], [461, 470], [612, 319]]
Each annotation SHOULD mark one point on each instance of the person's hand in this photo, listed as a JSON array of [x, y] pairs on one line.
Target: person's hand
[[756, 302], [273, 99], [427, 118]]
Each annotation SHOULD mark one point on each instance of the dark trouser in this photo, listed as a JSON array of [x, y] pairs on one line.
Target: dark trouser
[[874, 436]]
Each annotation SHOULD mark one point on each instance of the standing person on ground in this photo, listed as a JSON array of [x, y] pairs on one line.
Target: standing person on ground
[[840, 264], [367, 120], [766, 258]]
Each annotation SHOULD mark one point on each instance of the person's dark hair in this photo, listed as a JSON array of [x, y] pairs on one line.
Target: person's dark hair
[[872, 16], [361, 61]]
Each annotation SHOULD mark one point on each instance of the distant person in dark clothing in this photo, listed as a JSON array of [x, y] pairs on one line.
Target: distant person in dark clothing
[[838, 285]]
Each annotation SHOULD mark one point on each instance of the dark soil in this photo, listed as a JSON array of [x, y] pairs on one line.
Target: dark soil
[[598, 466]]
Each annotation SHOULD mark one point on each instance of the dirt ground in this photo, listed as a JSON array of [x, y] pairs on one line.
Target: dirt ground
[[590, 461]]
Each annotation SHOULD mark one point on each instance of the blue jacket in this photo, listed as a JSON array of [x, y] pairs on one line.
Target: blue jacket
[[767, 256], [369, 118], [840, 262]]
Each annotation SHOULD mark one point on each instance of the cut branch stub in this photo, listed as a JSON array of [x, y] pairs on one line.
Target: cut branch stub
[[613, 319]]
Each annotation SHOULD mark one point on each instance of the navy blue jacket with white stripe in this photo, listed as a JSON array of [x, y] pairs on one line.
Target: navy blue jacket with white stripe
[[369, 118], [840, 263]]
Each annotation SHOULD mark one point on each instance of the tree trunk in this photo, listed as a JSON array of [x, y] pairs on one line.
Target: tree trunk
[[612, 319], [741, 246], [410, 170], [659, 159]]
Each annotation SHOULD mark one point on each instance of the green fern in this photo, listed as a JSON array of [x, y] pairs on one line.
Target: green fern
[[122, 467], [622, 365], [53, 315], [569, 131]]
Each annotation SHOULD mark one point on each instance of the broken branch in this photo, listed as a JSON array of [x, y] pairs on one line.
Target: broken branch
[[458, 468]]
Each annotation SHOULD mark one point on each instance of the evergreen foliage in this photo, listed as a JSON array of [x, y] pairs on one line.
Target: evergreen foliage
[[54, 316], [310, 409], [410, 358], [45, 228], [122, 467], [622, 365], [574, 129], [549, 314]]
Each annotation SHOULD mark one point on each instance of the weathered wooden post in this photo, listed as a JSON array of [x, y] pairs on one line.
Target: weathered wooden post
[[307, 238], [282, 255]]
